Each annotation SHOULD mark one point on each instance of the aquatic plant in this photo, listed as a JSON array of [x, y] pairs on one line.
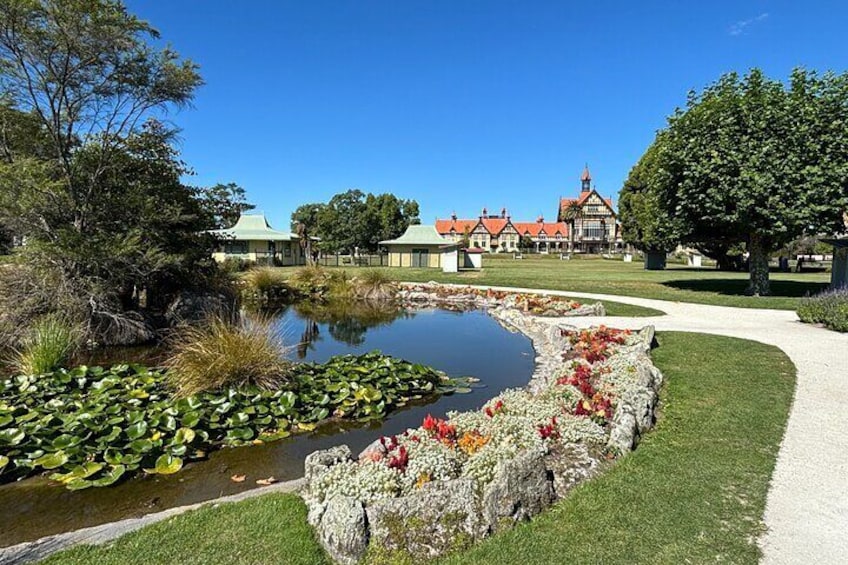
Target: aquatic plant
[[220, 354], [91, 426]]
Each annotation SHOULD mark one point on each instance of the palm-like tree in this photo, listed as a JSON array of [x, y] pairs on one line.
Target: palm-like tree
[[572, 212]]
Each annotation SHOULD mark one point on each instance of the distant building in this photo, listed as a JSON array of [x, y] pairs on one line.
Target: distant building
[[253, 239], [422, 246], [591, 218]]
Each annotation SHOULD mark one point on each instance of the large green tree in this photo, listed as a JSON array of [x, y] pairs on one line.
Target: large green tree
[[354, 219], [93, 180], [645, 224], [756, 160], [224, 203]]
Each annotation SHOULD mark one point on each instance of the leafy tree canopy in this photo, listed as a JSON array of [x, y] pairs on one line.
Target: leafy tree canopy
[[753, 159], [223, 203], [88, 174], [353, 219]]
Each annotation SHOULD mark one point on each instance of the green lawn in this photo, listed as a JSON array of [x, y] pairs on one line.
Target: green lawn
[[677, 282], [694, 491]]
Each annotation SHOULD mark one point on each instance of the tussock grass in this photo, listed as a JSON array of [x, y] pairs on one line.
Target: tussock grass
[[374, 284], [48, 346], [221, 354], [265, 280]]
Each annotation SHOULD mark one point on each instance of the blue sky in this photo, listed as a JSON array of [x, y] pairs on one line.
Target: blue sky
[[460, 104]]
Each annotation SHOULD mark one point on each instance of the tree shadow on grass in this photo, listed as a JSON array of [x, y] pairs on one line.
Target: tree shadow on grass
[[736, 287]]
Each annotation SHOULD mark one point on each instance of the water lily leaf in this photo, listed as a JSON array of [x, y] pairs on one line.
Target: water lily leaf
[[190, 420], [141, 445], [110, 476], [306, 426], [168, 422], [462, 390], [3, 462], [239, 434], [51, 460], [184, 435], [137, 430], [12, 436], [166, 465], [79, 484], [65, 440]]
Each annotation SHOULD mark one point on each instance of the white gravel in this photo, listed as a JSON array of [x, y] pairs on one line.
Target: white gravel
[[806, 514]]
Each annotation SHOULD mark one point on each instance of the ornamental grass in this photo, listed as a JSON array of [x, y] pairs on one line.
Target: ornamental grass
[[221, 354], [49, 345], [374, 284]]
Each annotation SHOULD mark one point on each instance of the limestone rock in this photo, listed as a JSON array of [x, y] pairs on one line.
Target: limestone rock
[[343, 531], [570, 465], [319, 461], [443, 516], [521, 489]]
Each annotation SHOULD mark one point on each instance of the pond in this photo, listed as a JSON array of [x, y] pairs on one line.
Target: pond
[[458, 343]]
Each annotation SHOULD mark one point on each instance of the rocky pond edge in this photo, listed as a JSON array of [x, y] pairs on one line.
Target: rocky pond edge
[[547, 361]]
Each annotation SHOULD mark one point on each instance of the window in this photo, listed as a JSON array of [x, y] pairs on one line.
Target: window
[[235, 247], [287, 250]]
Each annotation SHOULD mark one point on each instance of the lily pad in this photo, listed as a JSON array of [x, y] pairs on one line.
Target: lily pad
[[51, 460]]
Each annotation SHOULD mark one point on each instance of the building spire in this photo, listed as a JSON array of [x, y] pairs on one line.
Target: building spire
[[586, 179]]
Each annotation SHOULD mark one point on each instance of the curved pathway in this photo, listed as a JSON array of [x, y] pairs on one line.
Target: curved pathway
[[806, 514]]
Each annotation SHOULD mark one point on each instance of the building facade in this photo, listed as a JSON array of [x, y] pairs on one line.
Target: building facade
[[252, 239], [591, 219], [586, 224]]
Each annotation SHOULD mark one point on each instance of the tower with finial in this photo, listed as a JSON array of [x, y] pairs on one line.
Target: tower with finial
[[586, 179]]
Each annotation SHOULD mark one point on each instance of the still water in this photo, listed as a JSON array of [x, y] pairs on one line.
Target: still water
[[458, 343]]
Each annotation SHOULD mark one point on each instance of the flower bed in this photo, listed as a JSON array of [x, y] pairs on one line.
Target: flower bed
[[829, 308], [433, 294], [455, 480], [91, 426]]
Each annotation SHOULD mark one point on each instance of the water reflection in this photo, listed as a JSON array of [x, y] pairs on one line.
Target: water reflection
[[347, 321]]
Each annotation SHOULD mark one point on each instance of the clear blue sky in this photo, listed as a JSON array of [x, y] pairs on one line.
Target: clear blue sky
[[460, 104]]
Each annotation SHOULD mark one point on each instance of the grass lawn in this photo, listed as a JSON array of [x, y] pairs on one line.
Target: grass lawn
[[676, 283], [694, 491]]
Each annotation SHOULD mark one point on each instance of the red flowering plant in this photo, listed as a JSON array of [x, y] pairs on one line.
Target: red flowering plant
[[594, 345], [495, 408], [595, 403]]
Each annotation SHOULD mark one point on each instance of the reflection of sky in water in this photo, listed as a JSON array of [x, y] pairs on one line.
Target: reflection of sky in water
[[459, 344], [466, 343]]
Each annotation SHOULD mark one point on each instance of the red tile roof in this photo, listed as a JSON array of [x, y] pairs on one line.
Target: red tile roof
[[495, 225], [444, 226], [533, 229], [586, 175]]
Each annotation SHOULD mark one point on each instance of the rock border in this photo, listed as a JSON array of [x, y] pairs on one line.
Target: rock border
[[444, 516]]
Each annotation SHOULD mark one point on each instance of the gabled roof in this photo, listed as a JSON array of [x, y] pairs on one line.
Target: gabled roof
[[535, 228], [445, 226], [419, 235], [495, 225], [566, 202], [252, 227]]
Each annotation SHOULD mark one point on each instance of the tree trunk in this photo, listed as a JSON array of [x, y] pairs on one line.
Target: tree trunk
[[758, 267]]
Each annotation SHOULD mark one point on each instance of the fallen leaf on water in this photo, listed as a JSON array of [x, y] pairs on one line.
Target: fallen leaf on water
[[238, 478], [266, 482]]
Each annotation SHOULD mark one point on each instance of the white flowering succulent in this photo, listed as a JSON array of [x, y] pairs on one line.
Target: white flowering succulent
[[368, 481]]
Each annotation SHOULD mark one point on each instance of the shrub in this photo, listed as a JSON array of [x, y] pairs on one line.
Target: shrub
[[317, 282], [234, 265], [49, 345], [222, 354], [829, 308]]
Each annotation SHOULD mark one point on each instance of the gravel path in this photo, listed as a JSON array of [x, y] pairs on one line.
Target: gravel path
[[806, 512]]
